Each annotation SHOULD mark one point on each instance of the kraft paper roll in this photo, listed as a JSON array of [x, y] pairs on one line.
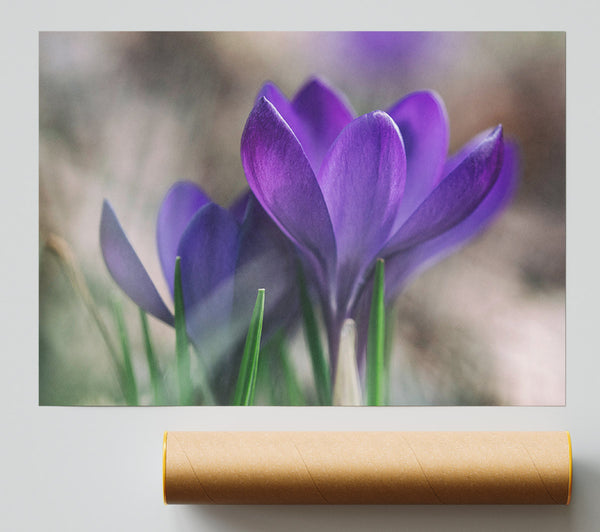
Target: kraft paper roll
[[367, 467]]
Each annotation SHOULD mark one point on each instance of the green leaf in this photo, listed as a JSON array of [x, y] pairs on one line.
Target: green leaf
[[128, 377], [376, 374], [268, 383], [181, 342], [270, 380], [246, 383], [317, 356], [155, 373]]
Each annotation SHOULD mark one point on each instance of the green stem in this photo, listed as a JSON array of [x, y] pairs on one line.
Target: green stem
[[376, 382], [181, 342], [317, 355]]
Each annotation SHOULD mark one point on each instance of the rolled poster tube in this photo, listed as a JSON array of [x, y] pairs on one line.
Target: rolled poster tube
[[367, 467]]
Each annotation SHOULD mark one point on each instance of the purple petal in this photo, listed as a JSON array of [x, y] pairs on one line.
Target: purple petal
[[455, 198], [126, 268], [280, 177], [423, 123], [402, 266], [266, 260], [182, 201], [285, 108], [324, 114], [362, 179], [464, 151], [208, 251]]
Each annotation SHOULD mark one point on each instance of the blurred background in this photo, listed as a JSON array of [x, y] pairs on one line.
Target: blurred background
[[123, 116]]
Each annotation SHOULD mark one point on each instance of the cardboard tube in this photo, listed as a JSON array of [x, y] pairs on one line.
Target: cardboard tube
[[367, 467]]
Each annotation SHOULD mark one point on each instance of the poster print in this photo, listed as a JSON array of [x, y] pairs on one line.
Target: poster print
[[302, 218]]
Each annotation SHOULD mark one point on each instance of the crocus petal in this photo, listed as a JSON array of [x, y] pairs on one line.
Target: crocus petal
[[282, 180], [208, 251], [182, 201], [324, 114], [496, 200], [455, 198], [284, 107], [403, 266], [316, 115], [423, 123], [362, 179], [266, 260], [453, 161], [126, 268]]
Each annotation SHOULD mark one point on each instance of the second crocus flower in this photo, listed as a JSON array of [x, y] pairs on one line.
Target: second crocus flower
[[226, 256]]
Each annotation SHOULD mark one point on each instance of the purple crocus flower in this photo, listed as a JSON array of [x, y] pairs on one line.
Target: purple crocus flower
[[226, 255], [348, 190]]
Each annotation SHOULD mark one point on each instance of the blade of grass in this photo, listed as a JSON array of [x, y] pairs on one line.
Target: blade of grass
[[317, 356], [131, 393], [181, 342], [155, 373], [268, 382], [376, 375], [246, 383]]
